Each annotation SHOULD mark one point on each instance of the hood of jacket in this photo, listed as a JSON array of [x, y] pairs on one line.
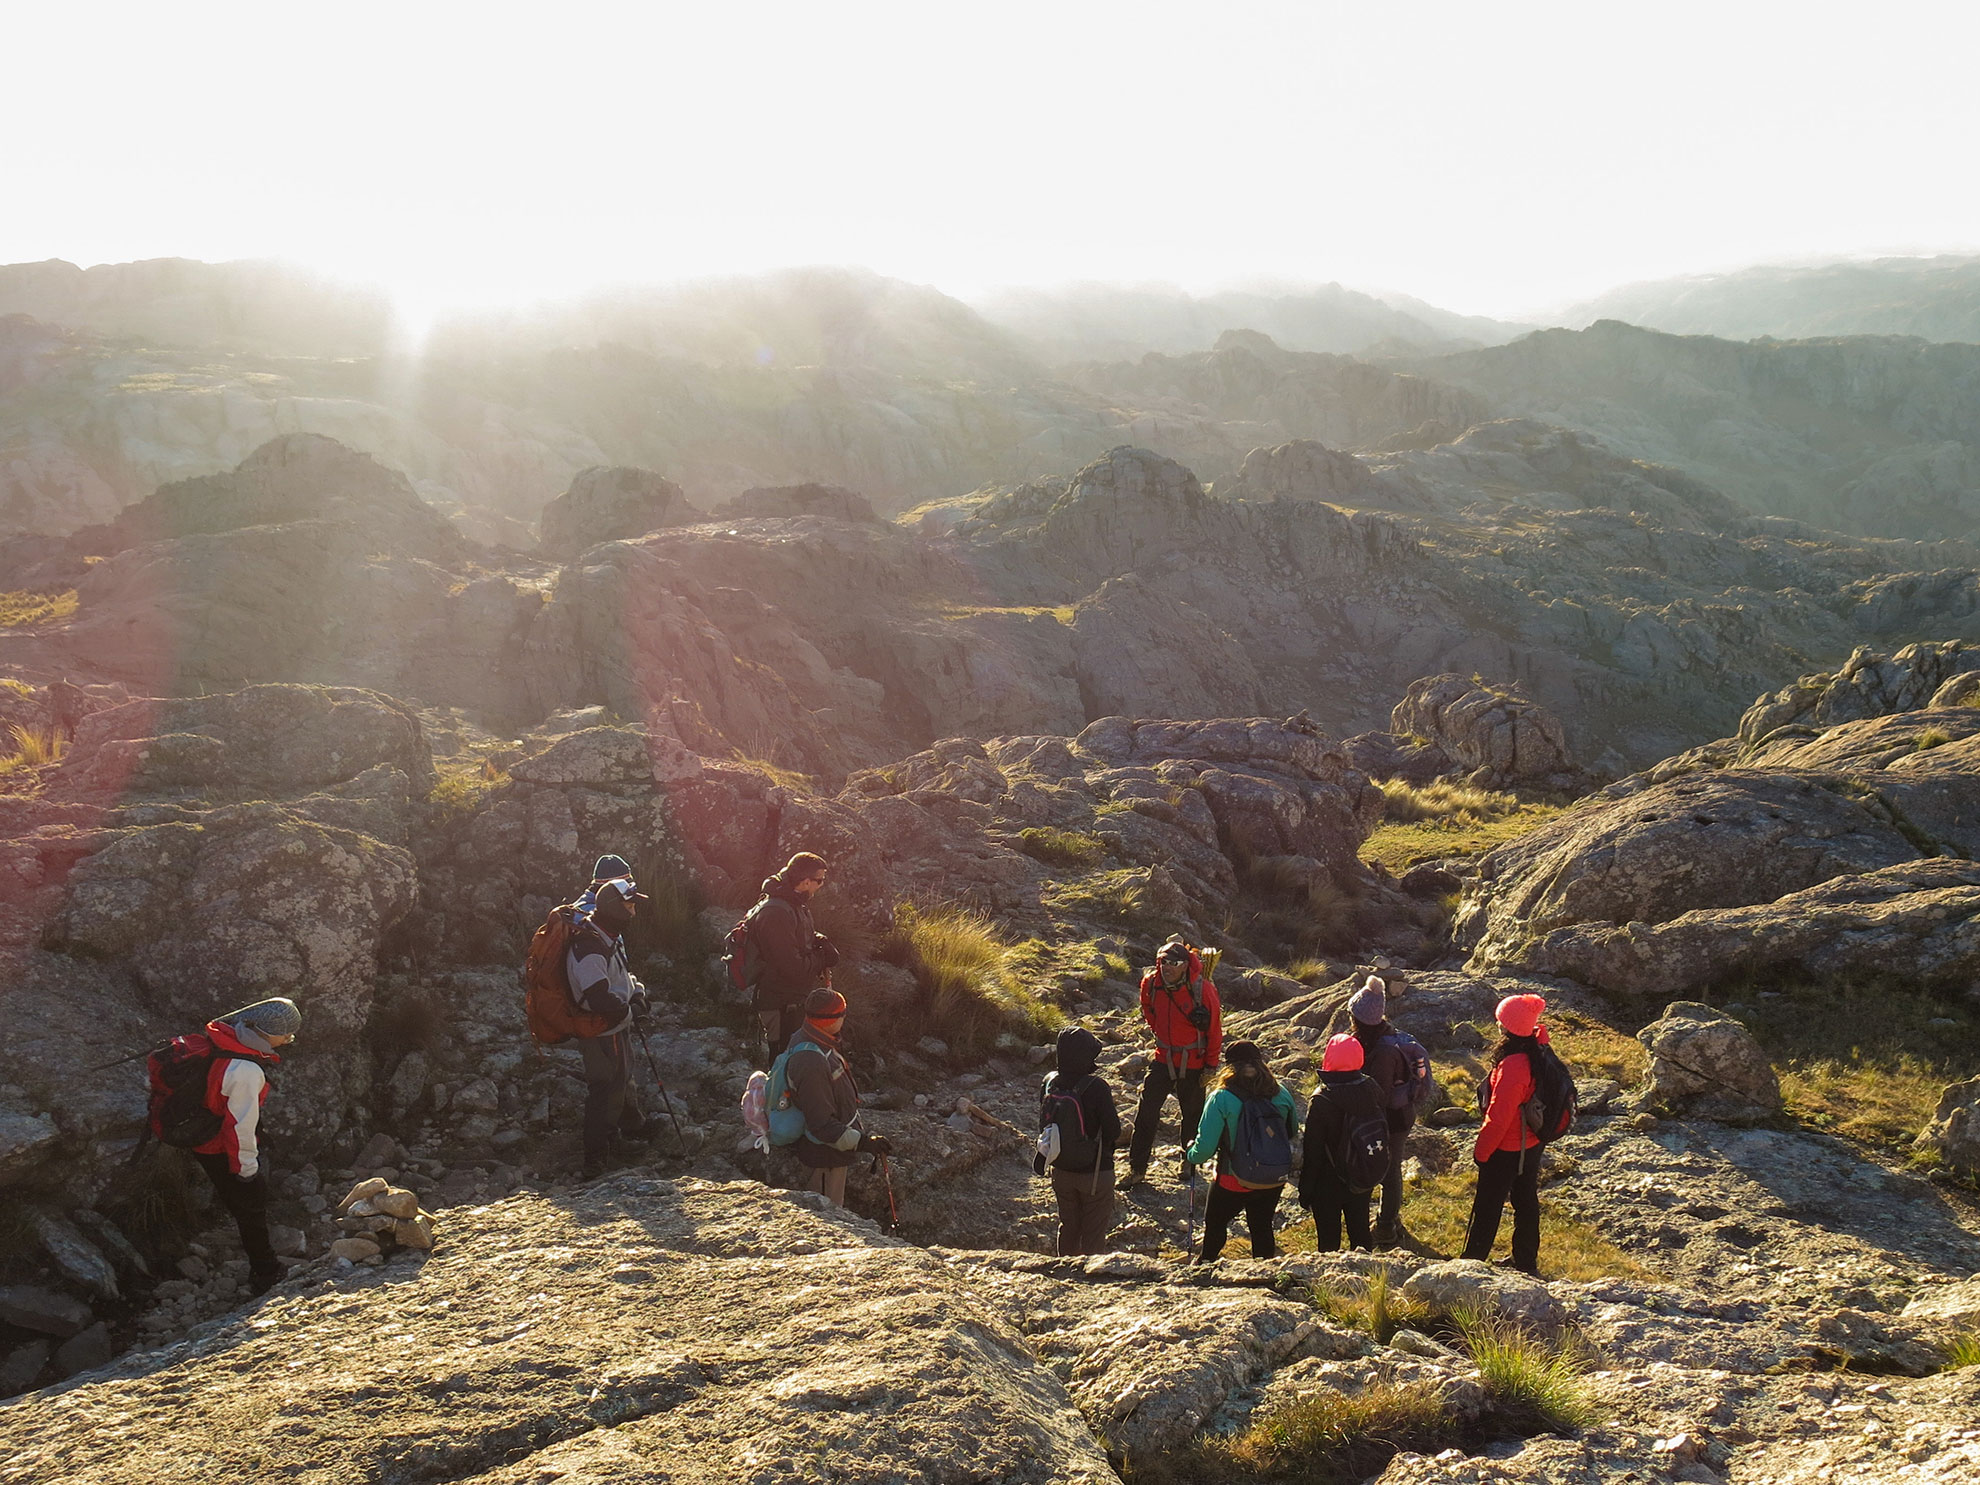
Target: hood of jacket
[[778, 887], [241, 1042], [1079, 1052]]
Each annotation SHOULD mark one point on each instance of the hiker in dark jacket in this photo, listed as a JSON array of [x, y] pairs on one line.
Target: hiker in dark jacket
[[236, 1087], [821, 1084], [1181, 1008], [1507, 1152], [1346, 1094], [1386, 1066], [793, 958], [1244, 1076], [1084, 1192], [603, 983]]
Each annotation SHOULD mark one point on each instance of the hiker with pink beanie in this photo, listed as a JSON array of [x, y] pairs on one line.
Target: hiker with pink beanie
[[1527, 1109]]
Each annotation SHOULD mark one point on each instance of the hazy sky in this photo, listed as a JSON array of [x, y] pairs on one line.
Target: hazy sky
[[1490, 158]]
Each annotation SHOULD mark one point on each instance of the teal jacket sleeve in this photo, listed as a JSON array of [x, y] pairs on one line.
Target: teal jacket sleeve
[[1217, 1116], [1286, 1104]]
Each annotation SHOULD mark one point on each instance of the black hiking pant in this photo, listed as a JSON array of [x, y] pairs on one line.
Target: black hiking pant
[[608, 1102], [780, 1024], [1335, 1206], [1501, 1177], [246, 1202], [1401, 1122], [1258, 1207], [1155, 1090], [1086, 1208]]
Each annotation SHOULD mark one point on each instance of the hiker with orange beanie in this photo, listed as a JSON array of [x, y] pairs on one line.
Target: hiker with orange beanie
[[821, 1084]]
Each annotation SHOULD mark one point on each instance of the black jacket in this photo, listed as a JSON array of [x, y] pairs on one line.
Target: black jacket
[[1339, 1098], [1387, 1067], [1079, 1049], [791, 953]]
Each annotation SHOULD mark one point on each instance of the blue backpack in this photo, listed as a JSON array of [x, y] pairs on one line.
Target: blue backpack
[[1261, 1146], [785, 1117]]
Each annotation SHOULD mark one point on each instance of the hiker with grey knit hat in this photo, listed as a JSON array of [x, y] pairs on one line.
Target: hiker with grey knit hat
[[1389, 1059], [602, 982], [244, 1053]]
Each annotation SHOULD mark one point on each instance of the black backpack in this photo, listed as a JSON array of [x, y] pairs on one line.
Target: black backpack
[[1549, 1112], [1363, 1155], [1076, 1148], [1261, 1146]]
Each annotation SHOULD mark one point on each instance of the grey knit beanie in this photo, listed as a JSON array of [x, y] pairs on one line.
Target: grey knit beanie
[[271, 1018], [1369, 1006]]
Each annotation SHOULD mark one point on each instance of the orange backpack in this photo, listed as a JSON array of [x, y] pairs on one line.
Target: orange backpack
[[553, 1015]]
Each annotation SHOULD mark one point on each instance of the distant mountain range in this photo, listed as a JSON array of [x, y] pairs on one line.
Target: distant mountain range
[[1936, 298]]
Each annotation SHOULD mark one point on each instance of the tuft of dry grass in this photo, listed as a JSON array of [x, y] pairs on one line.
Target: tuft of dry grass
[[22, 608], [1534, 1386], [460, 786], [787, 779], [1963, 1351], [1399, 845], [1327, 1437], [970, 977], [1444, 801], [32, 752]]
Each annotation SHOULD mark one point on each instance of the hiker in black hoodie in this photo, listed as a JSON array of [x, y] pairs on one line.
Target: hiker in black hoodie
[[793, 957], [1385, 1064], [1085, 1193], [1345, 1094]]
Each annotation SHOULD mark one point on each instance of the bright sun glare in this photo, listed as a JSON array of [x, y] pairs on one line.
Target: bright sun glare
[[1492, 159]]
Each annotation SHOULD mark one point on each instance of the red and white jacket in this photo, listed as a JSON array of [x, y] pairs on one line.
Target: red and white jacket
[[236, 1087]]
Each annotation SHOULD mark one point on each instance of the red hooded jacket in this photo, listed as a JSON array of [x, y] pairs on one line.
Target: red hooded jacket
[[238, 1138], [1511, 1085], [1166, 1010]]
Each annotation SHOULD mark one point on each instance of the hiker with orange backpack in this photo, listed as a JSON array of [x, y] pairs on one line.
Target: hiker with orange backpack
[[1249, 1125], [1181, 1008], [603, 987], [1532, 1103]]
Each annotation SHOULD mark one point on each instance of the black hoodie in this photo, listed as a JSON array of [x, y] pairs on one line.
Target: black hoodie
[[1079, 1050], [792, 953]]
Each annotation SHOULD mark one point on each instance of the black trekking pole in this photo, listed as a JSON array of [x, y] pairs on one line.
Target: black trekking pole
[[887, 1175], [120, 1061], [654, 1068]]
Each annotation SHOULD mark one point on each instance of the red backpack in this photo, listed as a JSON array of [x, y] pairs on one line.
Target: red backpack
[[742, 960], [553, 1014], [180, 1071]]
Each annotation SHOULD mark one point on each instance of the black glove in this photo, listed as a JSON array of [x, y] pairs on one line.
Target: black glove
[[642, 1006], [875, 1144], [1199, 1017], [1186, 1174], [824, 953]]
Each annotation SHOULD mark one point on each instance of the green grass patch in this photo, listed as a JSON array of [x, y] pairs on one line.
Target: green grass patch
[[1399, 846], [1062, 613], [788, 779], [973, 982], [1931, 737], [1536, 1387], [24, 607], [1593, 1050], [1444, 801], [1963, 1351], [1061, 847], [1436, 1212], [460, 786], [15, 687], [1865, 1060]]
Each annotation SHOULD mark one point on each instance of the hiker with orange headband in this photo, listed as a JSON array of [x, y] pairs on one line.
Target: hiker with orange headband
[[821, 1085]]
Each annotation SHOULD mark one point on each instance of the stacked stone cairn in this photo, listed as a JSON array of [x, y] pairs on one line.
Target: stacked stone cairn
[[379, 1219]]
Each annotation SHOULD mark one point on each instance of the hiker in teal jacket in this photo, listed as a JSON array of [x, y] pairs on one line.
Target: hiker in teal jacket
[[1244, 1075]]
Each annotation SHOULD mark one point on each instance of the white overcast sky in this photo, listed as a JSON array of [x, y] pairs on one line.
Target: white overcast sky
[[1492, 158]]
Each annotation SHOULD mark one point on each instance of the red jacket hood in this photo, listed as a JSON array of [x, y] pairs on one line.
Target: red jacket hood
[[227, 1039]]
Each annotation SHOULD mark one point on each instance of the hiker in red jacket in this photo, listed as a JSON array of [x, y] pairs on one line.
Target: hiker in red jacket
[[1180, 1006], [1507, 1152], [236, 1087]]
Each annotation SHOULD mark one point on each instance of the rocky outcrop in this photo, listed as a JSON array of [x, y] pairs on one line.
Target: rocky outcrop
[[611, 505], [1503, 738], [1867, 685], [1954, 1131], [830, 501], [1706, 1065], [1306, 470]]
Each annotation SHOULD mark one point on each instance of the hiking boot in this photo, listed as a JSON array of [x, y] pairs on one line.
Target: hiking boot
[[267, 1279], [1134, 1178]]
